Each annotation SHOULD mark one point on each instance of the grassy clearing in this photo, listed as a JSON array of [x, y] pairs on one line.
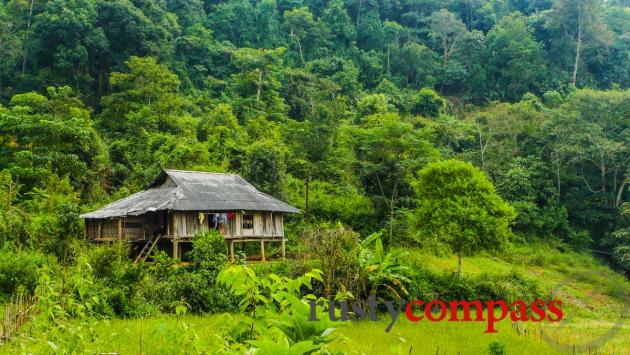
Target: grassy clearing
[[169, 335], [594, 301], [432, 338]]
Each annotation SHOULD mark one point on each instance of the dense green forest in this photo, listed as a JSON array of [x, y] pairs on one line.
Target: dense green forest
[[410, 133], [333, 106]]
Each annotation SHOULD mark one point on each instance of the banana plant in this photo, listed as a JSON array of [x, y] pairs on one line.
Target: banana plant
[[382, 269]]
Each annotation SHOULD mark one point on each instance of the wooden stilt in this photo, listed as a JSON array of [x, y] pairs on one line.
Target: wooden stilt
[[282, 249], [175, 248], [262, 249], [119, 228], [231, 251]]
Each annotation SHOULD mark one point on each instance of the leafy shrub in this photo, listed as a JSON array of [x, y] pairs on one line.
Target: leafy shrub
[[208, 253], [337, 249], [509, 287], [427, 102], [107, 260], [19, 269], [276, 317], [115, 279], [380, 269], [496, 348]]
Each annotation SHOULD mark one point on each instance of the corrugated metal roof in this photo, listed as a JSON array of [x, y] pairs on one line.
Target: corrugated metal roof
[[193, 191]]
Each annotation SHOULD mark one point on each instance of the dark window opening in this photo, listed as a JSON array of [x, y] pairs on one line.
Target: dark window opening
[[248, 221]]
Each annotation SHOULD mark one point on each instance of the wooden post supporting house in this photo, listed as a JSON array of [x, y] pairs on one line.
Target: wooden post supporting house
[[120, 228], [282, 249], [262, 249], [231, 243], [175, 235]]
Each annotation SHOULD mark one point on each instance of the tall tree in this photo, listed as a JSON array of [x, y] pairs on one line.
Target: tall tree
[[448, 30], [255, 87], [308, 34], [389, 152], [269, 24], [459, 207], [340, 24], [580, 22], [40, 135], [515, 64]]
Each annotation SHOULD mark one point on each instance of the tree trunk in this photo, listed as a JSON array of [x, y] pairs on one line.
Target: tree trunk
[[300, 48], [445, 45], [482, 150], [297, 39], [578, 50], [558, 178], [259, 88], [28, 29], [306, 188], [459, 265], [620, 192], [603, 182]]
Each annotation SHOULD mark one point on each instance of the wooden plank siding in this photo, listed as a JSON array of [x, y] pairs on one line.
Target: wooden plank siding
[[134, 228], [184, 225], [189, 224]]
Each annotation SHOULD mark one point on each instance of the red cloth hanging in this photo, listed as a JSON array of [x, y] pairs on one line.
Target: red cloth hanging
[[230, 215]]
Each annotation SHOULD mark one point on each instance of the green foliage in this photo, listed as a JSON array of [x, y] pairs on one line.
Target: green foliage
[[209, 252], [459, 207], [511, 286], [427, 102], [337, 249], [264, 167], [19, 270], [278, 315], [382, 269], [515, 60], [621, 240], [13, 216], [496, 348], [342, 101], [51, 134], [333, 202]]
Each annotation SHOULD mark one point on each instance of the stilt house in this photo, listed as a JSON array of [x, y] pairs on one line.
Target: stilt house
[[178, 205]]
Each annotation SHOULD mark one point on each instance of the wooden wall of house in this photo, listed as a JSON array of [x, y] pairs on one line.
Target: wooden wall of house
[[136, 227], [91, 228], [265, 224], [188, 224], [102, 228]]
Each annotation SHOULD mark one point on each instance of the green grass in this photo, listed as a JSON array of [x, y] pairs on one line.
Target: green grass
[[594, 298], [432, 338], [169, 335]]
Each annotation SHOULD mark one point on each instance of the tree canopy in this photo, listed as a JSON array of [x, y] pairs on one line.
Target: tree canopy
[[334, 106]]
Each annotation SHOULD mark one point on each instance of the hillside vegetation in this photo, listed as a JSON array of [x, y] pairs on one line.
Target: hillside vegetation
[[468, 149], [595, 302]]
